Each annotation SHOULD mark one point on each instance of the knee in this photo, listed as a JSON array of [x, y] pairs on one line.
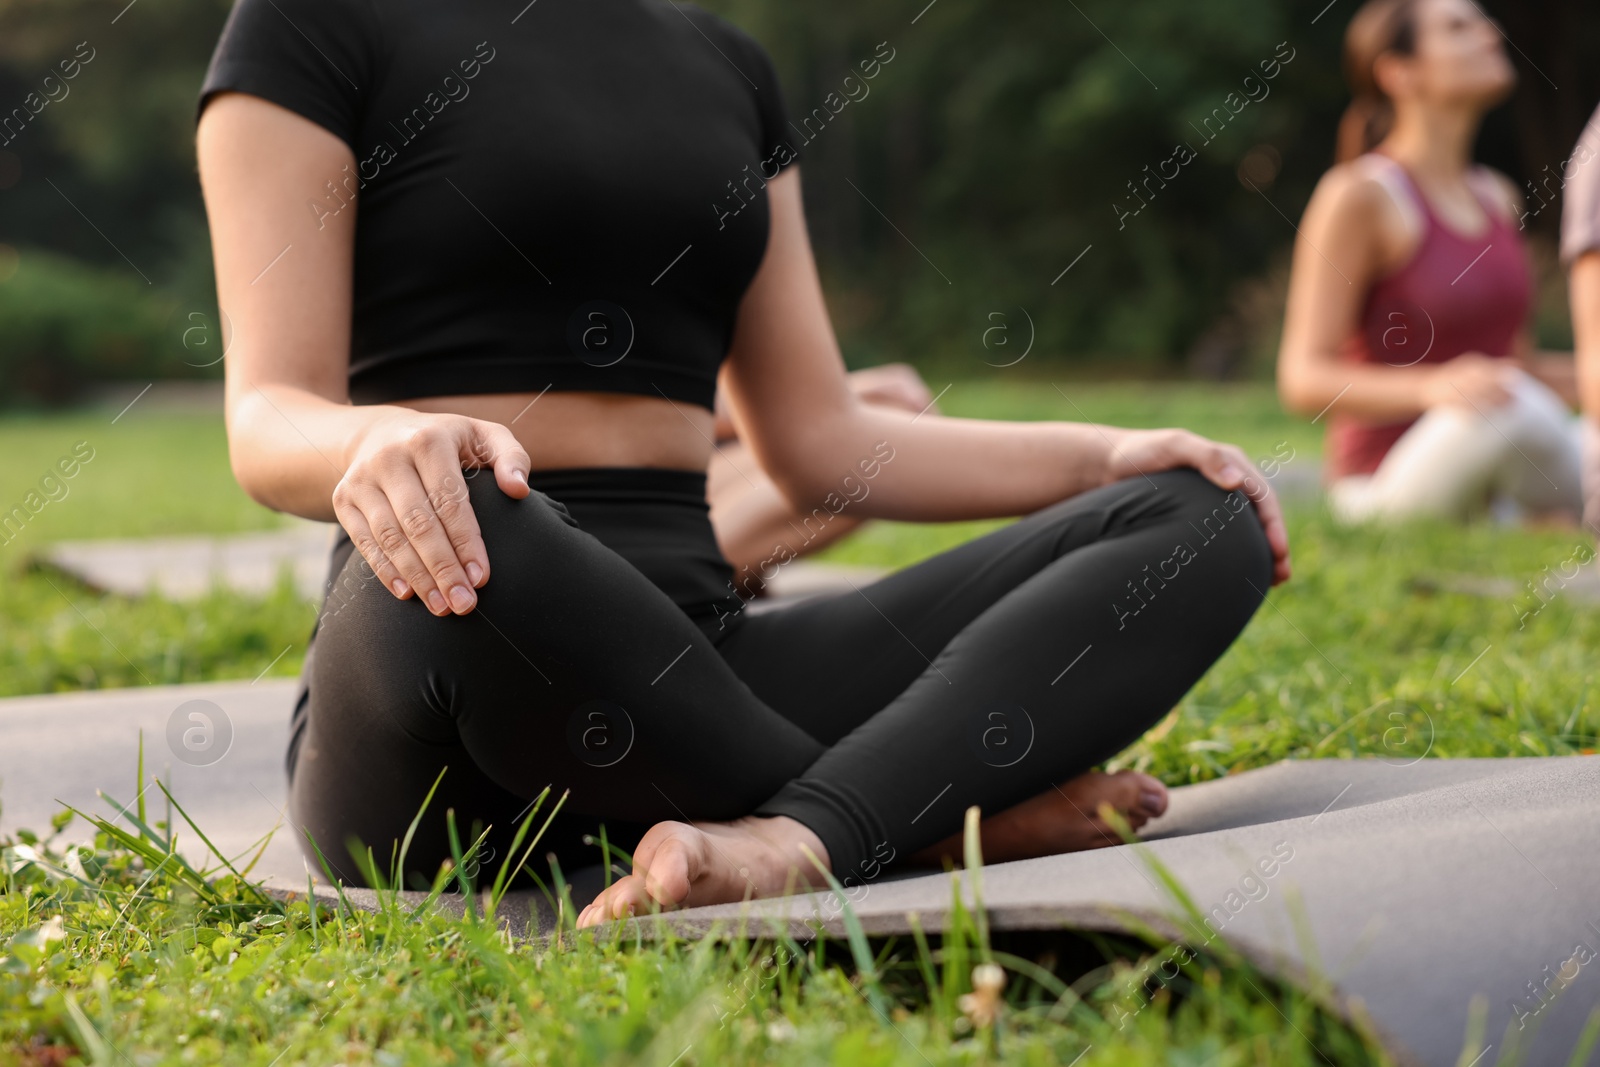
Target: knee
[[503, 519], [1219, 523]]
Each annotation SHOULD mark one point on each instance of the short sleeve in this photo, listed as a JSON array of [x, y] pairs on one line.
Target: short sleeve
[[314, 57], [778, 140], [1580, 210]]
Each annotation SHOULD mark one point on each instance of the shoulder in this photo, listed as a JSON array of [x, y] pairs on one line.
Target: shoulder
[[306, 20], [736, 44], [1366, 189], [318, 58]]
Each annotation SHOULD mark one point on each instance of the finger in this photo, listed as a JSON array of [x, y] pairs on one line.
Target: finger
[[388, 534], [1269, 510], [447, 495], [360, 533], [499, 448], [429, 541], [1224, 465]]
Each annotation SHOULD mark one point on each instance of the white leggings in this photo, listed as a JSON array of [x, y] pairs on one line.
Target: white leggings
[[1521, 457]]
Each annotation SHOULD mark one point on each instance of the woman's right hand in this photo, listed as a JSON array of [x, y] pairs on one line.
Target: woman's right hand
[[403, 501], [1470, 380]]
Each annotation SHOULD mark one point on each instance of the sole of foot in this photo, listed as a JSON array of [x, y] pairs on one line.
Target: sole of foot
[[683, 865]]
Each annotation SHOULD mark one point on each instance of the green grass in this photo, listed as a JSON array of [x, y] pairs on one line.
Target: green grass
[[60, 636], [1361, 654], [152, 474], [113, 964]]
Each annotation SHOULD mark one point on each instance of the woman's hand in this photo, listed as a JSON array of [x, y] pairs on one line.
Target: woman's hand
[[1470, 380], [1138, 452], [893, 385], [403, 501]]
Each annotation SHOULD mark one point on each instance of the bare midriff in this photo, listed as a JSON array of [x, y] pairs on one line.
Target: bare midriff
[[561, 430]]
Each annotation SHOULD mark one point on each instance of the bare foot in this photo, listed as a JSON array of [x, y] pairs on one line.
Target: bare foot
[[680, 864], [1062, 819]]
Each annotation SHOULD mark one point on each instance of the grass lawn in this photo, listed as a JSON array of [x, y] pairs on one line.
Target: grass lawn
[[1361, 654]]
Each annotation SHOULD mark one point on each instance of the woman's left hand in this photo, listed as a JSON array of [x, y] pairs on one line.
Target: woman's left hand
[[1136, 452]]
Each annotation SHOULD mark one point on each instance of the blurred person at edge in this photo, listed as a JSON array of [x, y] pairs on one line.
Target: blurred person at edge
[[1407, 322], [1580, 253]]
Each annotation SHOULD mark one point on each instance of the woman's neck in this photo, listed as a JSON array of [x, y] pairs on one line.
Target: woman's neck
[[1433, 142]]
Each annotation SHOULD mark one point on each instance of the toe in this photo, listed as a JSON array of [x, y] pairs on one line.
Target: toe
[[626, 898], [1152, 795]]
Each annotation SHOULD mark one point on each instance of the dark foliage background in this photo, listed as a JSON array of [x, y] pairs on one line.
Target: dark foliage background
[[985, 157]]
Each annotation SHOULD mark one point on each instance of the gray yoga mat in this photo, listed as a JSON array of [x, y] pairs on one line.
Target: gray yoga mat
[[1420, 885]]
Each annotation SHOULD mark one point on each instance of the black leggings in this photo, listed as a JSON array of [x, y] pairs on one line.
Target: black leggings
[[875, 717]]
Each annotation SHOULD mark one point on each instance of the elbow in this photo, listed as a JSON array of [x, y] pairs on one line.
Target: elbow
[[803, 488], [1296, 394], [247, 458], [249, 474]]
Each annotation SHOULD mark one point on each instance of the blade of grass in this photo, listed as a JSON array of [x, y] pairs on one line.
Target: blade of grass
[[1586, 1040], [522, 864], [860, 951], [261, 897], [497, 892], [972, 855], [182, 871], [416, 820], [338, 886], [139, 786]]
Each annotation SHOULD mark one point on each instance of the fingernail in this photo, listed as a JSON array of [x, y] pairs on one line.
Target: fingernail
[[1231, 473], [461, 599], [1153, 802], [518, 476], [401, 588], [474, 574], [436, 602]]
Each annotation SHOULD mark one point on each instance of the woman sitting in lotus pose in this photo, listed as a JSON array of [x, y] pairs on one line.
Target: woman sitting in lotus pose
[[489, 351]]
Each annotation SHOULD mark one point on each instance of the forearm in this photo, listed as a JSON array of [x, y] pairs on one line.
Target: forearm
[[289, 447], [930, 468], [1373, 392], [1583, 288]]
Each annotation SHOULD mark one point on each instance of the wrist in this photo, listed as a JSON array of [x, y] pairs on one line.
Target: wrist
[[367, 420], [1111, 461]]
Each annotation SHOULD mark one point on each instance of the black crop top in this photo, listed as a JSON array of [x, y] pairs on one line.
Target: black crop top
[[570, 195]]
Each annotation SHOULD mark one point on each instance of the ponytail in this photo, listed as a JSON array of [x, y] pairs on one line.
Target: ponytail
[[1378, 28]]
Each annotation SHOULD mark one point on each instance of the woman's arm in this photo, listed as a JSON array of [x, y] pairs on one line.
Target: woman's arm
[[787, 392], [1583, 291], [1583, 288], [391, 476]]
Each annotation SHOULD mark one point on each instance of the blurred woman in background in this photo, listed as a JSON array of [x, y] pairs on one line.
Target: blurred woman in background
[[1580, 253], [1407, 322]]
